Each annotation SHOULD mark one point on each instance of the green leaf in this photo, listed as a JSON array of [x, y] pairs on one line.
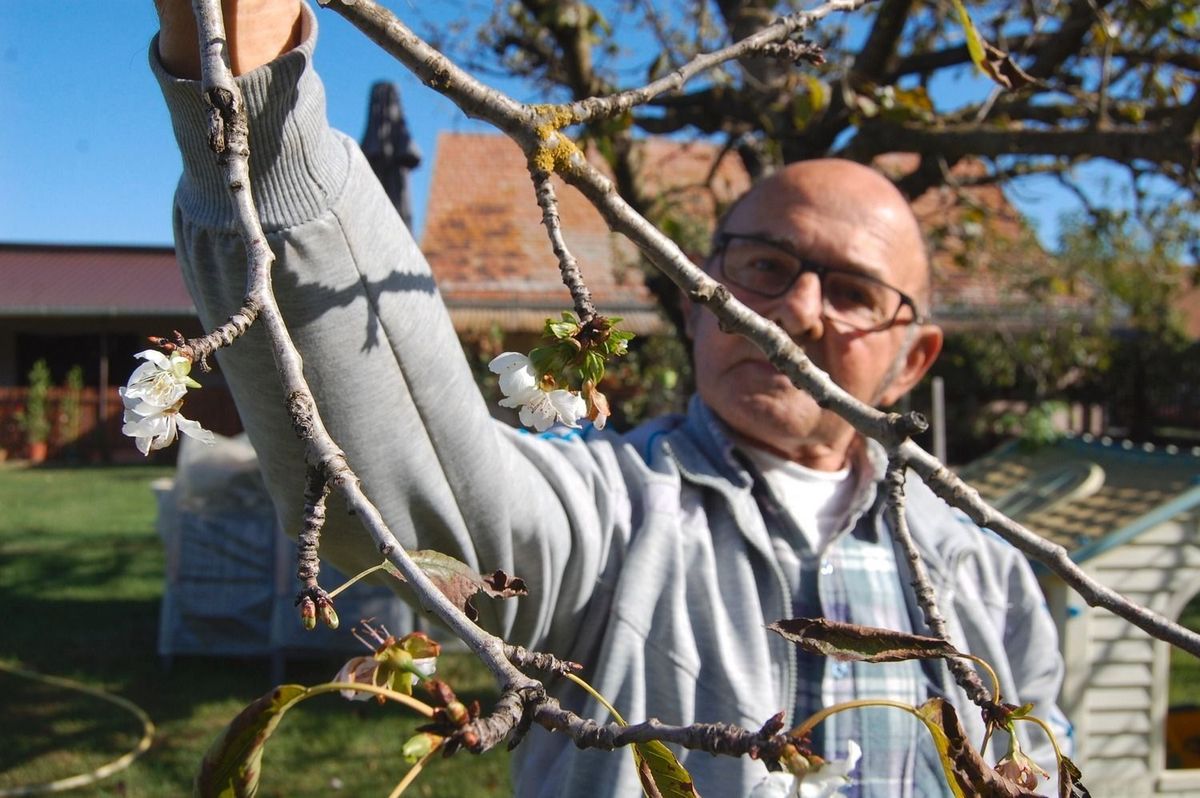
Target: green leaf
[[617, 343], [233, 763], [565, 328], [661, 774], [593, 367], [974, 40], [848, 641], [458, 582], [546, 360]]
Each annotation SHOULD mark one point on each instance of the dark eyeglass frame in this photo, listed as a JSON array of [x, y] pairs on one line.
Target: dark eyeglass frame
[[809, 267]]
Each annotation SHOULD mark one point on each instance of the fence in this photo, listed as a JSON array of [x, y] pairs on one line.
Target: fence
[[97, 434]]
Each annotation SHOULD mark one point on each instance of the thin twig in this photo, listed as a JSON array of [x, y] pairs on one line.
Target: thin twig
[[523, 658], [568, 267], [958, 494], [964, 674]]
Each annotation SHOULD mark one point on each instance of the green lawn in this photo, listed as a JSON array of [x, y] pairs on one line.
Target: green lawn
[[1185, 669], [80, 581]]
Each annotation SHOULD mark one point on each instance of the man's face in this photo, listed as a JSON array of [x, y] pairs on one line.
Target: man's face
[[839, 215]]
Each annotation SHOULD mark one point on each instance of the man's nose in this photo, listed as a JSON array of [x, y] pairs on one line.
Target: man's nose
[[799, 311]]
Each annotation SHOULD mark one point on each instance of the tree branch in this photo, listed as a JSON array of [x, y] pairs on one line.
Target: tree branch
[[231, 147], [964, 674], [567, 265], [780, 349], [1119, 143]]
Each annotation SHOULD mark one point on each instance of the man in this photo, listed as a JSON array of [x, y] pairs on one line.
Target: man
[[654, 558]]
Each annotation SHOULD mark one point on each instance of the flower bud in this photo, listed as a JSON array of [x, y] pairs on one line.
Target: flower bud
[[420, 745], [329, 616], [457, 712], [308, 613], [1018, 769]]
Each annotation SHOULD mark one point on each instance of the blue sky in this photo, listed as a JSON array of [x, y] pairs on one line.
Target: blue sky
[[87, 150], [88, 154]]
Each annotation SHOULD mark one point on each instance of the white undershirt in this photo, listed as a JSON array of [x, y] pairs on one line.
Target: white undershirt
[[817, 500]]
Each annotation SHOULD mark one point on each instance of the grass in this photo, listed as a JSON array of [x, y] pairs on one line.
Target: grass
[[81, 574], [1185, 669]]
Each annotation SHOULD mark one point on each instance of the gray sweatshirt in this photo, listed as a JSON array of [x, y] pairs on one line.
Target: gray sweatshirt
[[647, 555]]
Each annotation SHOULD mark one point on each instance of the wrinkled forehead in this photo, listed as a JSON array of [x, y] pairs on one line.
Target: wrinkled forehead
[[839, 213]]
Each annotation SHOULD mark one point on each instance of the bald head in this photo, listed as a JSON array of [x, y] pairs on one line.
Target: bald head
[[841, 189]]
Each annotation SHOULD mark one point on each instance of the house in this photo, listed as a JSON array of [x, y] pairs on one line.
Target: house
[[487, 246], [1129, 516], [92, 306], [494, 266]]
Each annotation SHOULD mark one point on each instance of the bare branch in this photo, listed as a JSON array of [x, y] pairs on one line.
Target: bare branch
[[567, 265], [230, 144], [523, 658], [785, 354], [964, 674], [1118, 143]]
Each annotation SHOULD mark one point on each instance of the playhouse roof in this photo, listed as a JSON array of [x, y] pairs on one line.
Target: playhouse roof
[[1088, 494]]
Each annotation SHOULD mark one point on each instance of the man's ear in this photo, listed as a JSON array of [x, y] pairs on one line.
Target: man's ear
[[921, 354]]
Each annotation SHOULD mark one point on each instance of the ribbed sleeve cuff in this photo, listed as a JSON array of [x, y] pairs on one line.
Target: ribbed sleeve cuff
[[297, 163]]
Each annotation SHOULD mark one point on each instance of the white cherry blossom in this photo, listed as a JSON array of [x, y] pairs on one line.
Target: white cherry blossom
[[153, 398], [538, 407], [160, 427], [161, 381], [823, 781]]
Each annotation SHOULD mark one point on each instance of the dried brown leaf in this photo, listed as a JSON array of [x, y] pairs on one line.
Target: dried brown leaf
[[1000, 67], [1070, 784], [848, 641], [459, 583], [968, 773]]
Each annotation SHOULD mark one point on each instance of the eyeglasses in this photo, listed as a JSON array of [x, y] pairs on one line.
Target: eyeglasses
[[769, 268]]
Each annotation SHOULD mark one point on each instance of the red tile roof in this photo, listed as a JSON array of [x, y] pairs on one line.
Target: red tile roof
[[44, 280], [490, 254]]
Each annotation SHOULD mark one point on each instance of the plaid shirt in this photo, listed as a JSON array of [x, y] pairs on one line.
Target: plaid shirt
[[856, 579]]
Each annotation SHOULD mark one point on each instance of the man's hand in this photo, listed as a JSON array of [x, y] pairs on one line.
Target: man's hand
[[259, 31]]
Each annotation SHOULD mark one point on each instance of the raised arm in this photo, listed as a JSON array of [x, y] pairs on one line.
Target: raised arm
[[381, 357]]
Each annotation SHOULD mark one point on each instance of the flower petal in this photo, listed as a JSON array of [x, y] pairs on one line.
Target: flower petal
[[154, 357], [359, 670], [569, 407], [193, 430], [508, 361], [777, 784], [538, 413]]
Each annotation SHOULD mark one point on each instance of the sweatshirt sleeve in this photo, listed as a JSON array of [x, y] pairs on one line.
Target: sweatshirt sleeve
[[383, 361]]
